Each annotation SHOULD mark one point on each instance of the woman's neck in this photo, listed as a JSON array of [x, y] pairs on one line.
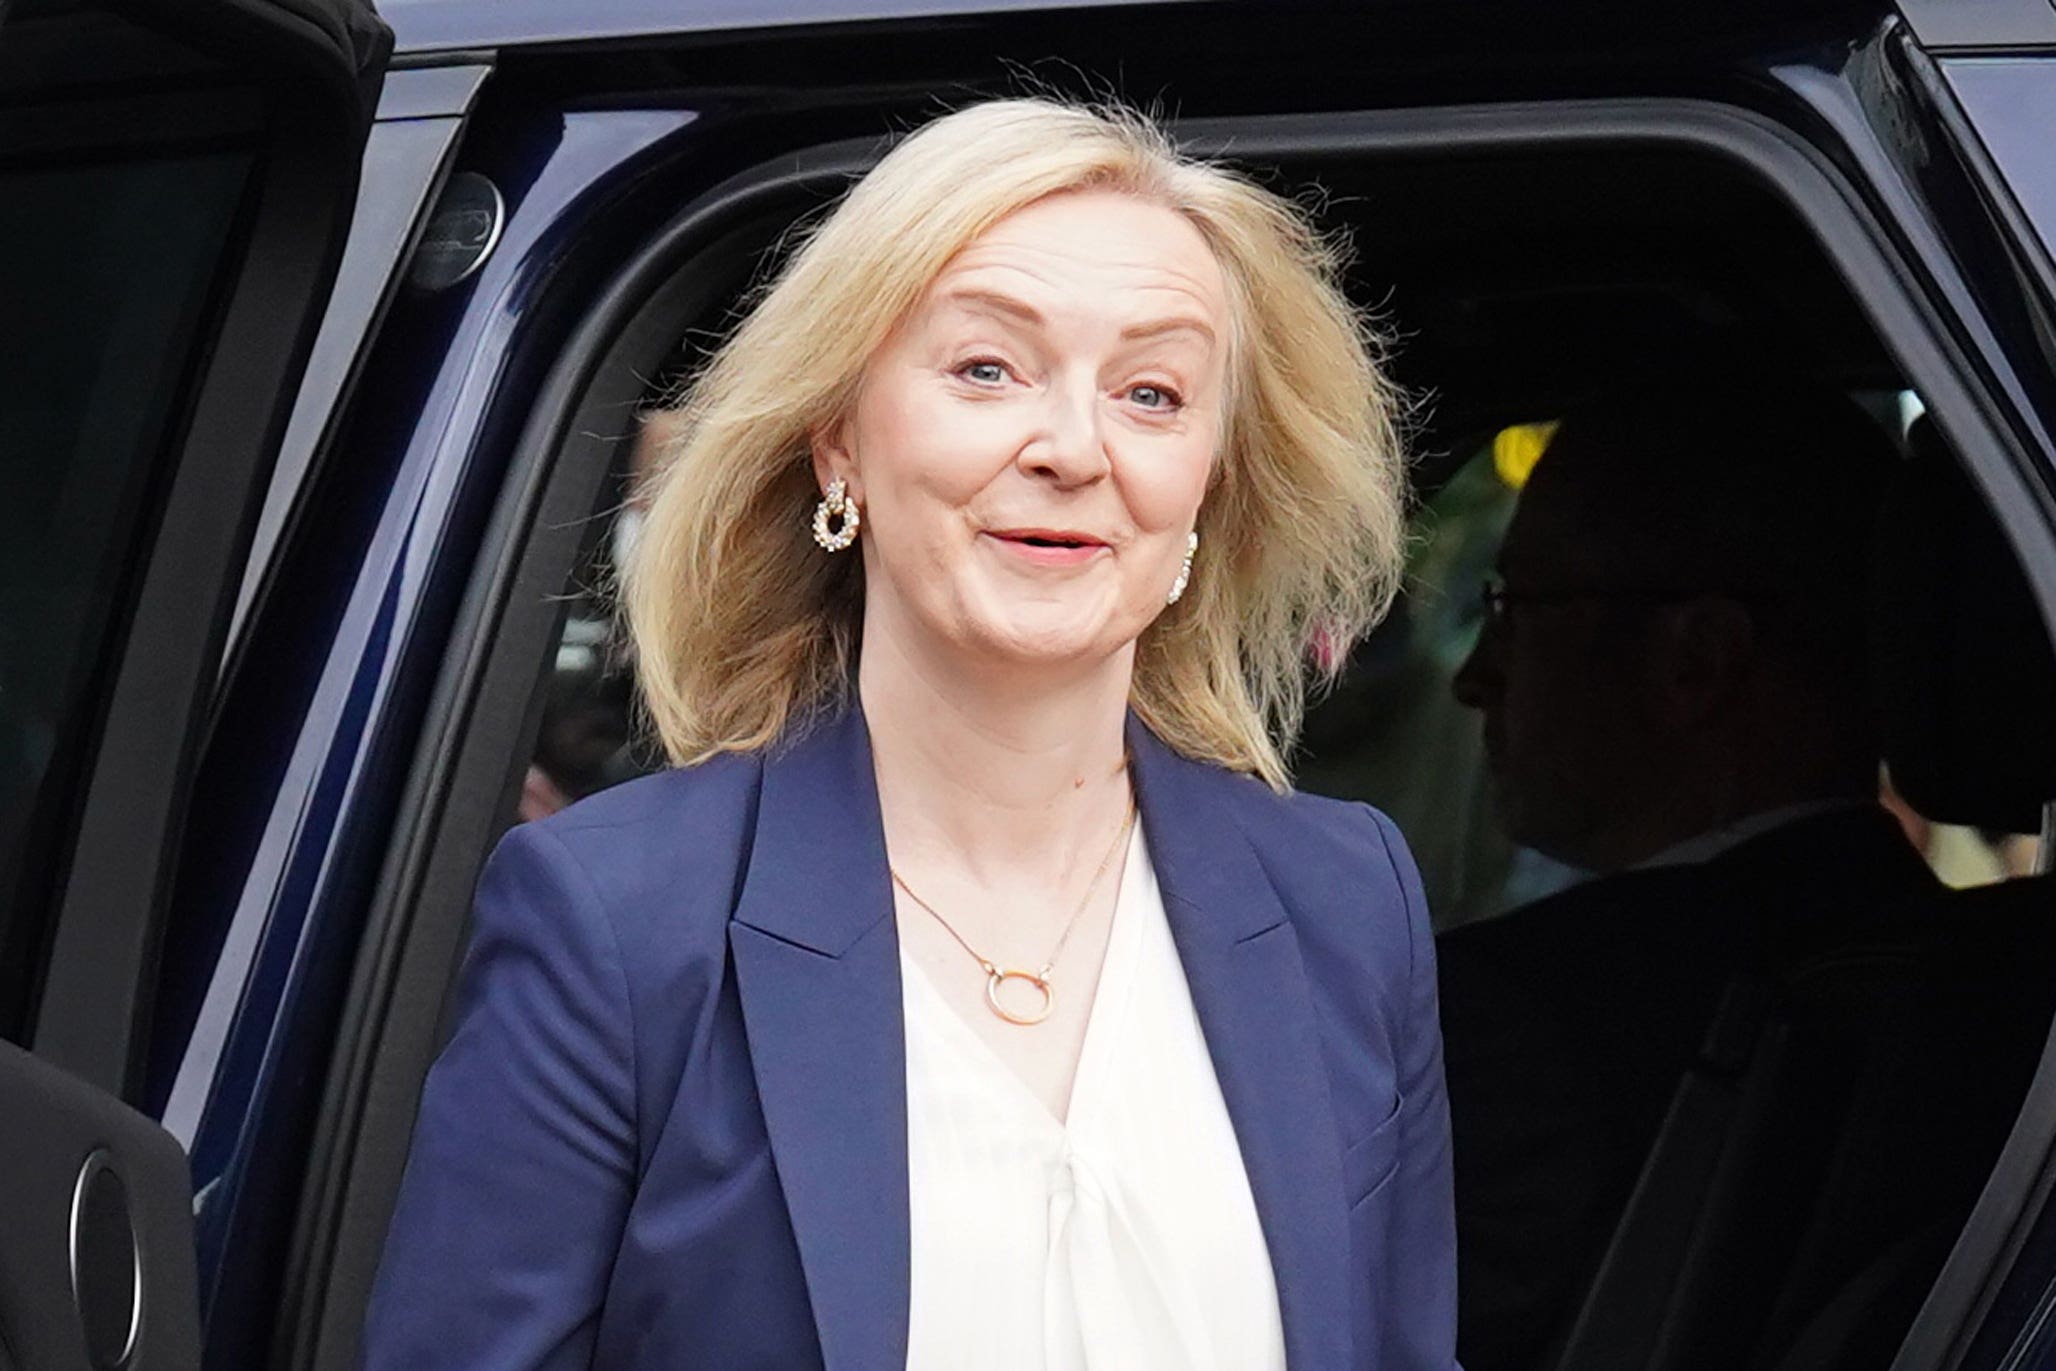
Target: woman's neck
[[990, 773]]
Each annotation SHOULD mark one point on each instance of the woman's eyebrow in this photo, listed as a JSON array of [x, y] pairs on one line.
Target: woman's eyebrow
[[1177, 323], [993, 302]]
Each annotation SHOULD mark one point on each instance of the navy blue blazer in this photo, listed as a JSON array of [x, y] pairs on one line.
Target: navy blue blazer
[[669, 1129]]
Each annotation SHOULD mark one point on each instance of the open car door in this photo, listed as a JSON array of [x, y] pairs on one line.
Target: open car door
[[176, 179]]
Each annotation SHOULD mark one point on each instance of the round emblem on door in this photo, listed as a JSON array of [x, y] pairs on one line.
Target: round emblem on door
[[461, 233]]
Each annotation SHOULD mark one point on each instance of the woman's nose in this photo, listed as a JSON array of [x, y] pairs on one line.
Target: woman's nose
[[1070, 447]]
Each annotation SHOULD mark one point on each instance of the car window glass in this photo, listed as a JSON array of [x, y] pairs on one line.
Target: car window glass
[[1393, 734], [589, 737], [112, 255], [2013, 103]]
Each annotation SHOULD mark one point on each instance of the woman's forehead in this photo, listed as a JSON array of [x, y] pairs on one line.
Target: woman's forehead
[[1090, 244]]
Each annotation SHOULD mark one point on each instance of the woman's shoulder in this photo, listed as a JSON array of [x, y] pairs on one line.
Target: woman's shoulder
[[1324, 839], [1343, 870], [647, 854], [1352, 895], [717, 793]]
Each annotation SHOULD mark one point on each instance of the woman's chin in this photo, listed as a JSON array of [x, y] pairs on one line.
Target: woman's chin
[[1046, 641]]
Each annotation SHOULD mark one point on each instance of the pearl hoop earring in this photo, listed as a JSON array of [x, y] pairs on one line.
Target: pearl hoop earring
[[836, 505], [1185, 571]]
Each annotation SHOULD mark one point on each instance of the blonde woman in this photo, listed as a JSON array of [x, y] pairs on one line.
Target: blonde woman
[[974, 993]]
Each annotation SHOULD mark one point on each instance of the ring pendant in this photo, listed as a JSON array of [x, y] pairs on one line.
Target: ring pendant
[[995, 977]]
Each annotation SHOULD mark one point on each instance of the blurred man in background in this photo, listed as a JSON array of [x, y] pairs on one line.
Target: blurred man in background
[[1675, 689]]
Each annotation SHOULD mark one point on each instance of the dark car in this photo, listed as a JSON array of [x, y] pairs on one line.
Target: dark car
[[325, 356]]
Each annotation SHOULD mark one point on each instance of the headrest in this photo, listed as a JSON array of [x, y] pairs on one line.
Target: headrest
[[1965, 674]]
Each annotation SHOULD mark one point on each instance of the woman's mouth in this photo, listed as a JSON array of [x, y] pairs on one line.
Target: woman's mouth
[[1048, 546]]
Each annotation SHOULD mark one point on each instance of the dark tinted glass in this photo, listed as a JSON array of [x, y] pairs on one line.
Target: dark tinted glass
[[117, 214]]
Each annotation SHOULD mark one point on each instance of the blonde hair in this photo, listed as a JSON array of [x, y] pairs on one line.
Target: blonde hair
[[744, 629]]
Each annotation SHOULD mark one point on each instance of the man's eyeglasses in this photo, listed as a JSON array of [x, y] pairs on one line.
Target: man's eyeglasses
[[1497, 600]]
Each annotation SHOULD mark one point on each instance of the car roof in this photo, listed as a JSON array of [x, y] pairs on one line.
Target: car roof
[[430, 26], [439, 25]]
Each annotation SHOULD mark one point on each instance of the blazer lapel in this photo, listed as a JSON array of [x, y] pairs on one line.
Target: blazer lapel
[[1249, 986], [817, 965]]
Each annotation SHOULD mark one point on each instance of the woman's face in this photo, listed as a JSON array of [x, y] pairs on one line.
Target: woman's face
[[1029, 448]]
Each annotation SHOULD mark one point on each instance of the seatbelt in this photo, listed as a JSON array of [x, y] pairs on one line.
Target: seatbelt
[[1645, 1308]]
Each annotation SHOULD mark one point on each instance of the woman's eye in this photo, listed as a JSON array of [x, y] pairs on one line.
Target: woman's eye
[[1154, 397], [983, 370]]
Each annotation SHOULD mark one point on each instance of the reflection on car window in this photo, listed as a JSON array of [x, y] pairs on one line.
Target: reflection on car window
[[107, 276], [588, 739]]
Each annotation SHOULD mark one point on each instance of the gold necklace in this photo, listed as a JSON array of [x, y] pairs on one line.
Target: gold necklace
[[996, 975]]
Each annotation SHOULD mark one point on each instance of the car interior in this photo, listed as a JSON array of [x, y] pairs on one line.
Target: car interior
[[1510, 278]]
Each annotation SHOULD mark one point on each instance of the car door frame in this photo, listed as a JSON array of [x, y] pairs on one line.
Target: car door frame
[[96, 987], [1995, 1304], [466, 776]]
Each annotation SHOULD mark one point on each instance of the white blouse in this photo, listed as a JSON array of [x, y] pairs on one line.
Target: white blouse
[[1123, 1240]]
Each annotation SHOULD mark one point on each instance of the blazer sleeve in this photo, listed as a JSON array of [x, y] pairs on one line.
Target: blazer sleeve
[[1417, 1290], [524, 1153]]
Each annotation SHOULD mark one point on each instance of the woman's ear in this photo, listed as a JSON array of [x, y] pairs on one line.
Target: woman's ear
[[832, 459]]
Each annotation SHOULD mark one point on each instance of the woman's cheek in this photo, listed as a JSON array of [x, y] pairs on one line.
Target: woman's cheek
[[1169, 485], [966, 448]]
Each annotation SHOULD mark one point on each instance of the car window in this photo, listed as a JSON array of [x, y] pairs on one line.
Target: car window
[[2012, 100], [1393, 733], [589, 736], [111, 255]]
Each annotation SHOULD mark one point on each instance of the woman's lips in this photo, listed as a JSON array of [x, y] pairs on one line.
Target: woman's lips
[[1047, 547]]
